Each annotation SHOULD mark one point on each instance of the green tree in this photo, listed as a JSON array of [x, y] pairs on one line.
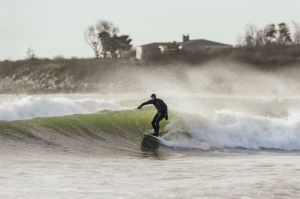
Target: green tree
[[120, 44], [173, 47], [284, 36], [105, 40], [270, 33], [114, 45]]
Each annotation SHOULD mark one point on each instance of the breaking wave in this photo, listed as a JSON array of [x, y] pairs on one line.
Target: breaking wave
[[122, 131], [105, 132], [233, 130]]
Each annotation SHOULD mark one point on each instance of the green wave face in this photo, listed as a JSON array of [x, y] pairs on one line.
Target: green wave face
[[103, 132]]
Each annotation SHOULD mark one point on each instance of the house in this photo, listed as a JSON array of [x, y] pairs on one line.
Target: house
[[150, 49], [187, 45], [201, 44]]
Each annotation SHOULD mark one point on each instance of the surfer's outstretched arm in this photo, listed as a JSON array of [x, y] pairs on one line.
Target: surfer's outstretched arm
[[145, 103]]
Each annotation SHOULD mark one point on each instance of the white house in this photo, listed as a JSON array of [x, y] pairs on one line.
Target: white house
[[187, 45]]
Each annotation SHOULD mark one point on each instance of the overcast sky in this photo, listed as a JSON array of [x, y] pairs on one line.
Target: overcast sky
[[56, 27]]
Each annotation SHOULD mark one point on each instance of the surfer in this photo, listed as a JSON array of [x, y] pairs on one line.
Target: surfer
[[162, 112]]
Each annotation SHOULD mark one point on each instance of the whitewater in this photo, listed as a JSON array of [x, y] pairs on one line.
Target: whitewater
[[89, 146]]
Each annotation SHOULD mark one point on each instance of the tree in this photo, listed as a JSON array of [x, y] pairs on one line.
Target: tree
[[284, 36], [296, 35], [260, 38], [254, 37], [105, 40], [250, 36], [270, 33], [120, 44], [30, 54], [114, 45], [279, 34], [92, 35], [173, 47]]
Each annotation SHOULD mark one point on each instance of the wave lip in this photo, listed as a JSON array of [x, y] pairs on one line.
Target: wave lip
[[42, 106]]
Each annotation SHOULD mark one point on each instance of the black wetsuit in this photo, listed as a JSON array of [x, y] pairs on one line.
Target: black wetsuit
[[162, 112]]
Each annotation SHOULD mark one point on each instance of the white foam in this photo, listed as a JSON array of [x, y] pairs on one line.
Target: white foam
[[235, 130], [27, 107]]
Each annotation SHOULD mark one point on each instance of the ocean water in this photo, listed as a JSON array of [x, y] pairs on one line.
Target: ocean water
[[89, 146]]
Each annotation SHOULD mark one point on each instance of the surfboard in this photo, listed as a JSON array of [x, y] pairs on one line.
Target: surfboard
[[152, 137], [150, 142]]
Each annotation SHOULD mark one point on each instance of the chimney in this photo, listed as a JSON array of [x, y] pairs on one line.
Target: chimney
[[185, 38]]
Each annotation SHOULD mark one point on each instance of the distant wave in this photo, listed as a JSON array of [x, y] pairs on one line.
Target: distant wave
[[28, 107]]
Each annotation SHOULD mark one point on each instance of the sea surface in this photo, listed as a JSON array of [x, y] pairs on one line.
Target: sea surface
[[90, 146]]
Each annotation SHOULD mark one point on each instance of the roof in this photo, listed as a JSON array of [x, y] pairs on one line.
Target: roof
[[205, 43], [196, 43], [155, 44]]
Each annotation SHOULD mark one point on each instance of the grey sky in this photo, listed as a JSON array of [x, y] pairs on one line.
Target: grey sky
[[56, 27]]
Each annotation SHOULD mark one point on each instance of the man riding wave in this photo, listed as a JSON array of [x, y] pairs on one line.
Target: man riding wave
[[162, 112]]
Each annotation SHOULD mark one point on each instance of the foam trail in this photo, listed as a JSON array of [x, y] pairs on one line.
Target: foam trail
[[42, 106]]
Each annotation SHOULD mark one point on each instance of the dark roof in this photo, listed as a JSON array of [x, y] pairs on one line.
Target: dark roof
[[192, 43], [155, 44], [204, 43]]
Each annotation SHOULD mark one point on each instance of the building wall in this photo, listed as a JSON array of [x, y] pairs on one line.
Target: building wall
[[139, 53], [144, 51]]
